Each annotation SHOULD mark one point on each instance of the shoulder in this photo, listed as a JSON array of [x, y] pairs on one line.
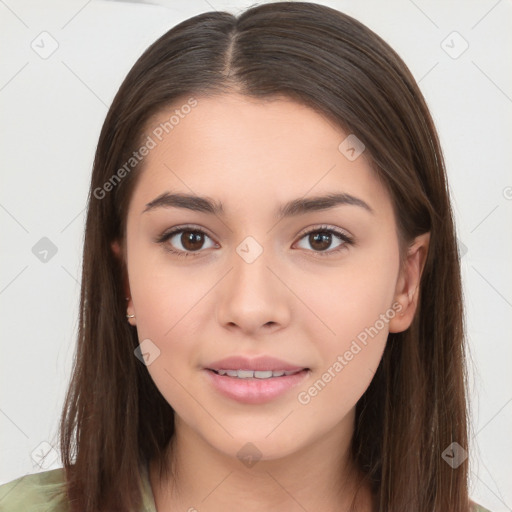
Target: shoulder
[[37, 492], [475, 507]]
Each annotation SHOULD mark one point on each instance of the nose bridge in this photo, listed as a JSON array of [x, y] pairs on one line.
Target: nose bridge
[[251, 295]]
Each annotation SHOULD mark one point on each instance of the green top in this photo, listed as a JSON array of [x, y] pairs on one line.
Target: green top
[[45, 492]]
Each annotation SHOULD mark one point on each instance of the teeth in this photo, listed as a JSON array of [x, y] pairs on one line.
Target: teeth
[[264, 374], [250, 374], [244, 374]]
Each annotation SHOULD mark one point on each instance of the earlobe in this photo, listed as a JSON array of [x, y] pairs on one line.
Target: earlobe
[[116, 249], [408, 283]]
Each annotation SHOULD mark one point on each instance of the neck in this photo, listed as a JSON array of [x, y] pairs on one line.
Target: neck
[[316, 477]]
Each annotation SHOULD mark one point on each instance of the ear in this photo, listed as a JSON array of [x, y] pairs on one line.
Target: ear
[[408, 283], [117, 249]]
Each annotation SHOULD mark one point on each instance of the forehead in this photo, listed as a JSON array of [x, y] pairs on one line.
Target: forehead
[[230, 121], [237, 147]]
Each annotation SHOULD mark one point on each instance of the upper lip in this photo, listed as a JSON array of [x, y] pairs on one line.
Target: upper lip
[[257, 364]]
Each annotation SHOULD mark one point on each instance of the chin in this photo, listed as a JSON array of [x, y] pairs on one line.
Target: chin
[[252, 446]]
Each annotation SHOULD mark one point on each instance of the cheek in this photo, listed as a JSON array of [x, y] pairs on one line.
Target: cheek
[[164, 312], [350, 357], [336, 388], [168, 301], [347, 300], [354, 305], [165, 295]]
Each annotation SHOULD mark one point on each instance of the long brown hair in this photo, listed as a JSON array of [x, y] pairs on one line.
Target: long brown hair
[[114, 417]]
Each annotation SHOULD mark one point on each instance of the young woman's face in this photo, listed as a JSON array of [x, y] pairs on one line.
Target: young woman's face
[[246, 281]]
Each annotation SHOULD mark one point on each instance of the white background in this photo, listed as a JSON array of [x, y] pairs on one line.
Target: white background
[[51, 113]]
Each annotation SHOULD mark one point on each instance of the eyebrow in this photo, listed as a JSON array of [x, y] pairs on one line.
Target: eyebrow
[[294, 207]]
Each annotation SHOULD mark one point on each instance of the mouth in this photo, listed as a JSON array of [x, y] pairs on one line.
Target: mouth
[[256, 374], [254, 387], [253, 367]]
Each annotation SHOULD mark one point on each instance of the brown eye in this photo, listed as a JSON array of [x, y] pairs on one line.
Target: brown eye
[[185, 241], [192, 240], [320, 241]]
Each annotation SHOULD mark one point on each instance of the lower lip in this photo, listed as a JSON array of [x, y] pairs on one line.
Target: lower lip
[[254, 391]]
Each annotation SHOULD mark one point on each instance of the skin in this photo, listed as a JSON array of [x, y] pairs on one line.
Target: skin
[[290, 303]]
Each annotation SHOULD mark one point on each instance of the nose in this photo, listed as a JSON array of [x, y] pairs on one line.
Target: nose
[[252, 298]]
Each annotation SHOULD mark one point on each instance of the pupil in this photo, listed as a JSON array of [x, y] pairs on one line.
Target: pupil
[[320, 240], [192, 240]]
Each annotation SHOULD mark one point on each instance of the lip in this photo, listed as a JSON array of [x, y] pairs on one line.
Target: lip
[[254, 390], [260, 363]]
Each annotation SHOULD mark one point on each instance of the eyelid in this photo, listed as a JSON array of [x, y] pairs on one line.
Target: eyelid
[[176, 229], [324, 227]]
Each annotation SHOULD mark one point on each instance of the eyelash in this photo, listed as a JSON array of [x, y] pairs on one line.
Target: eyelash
[[164, 237]]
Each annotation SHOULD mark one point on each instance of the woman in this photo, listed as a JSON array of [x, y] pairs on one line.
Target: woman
[[271, 313]]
